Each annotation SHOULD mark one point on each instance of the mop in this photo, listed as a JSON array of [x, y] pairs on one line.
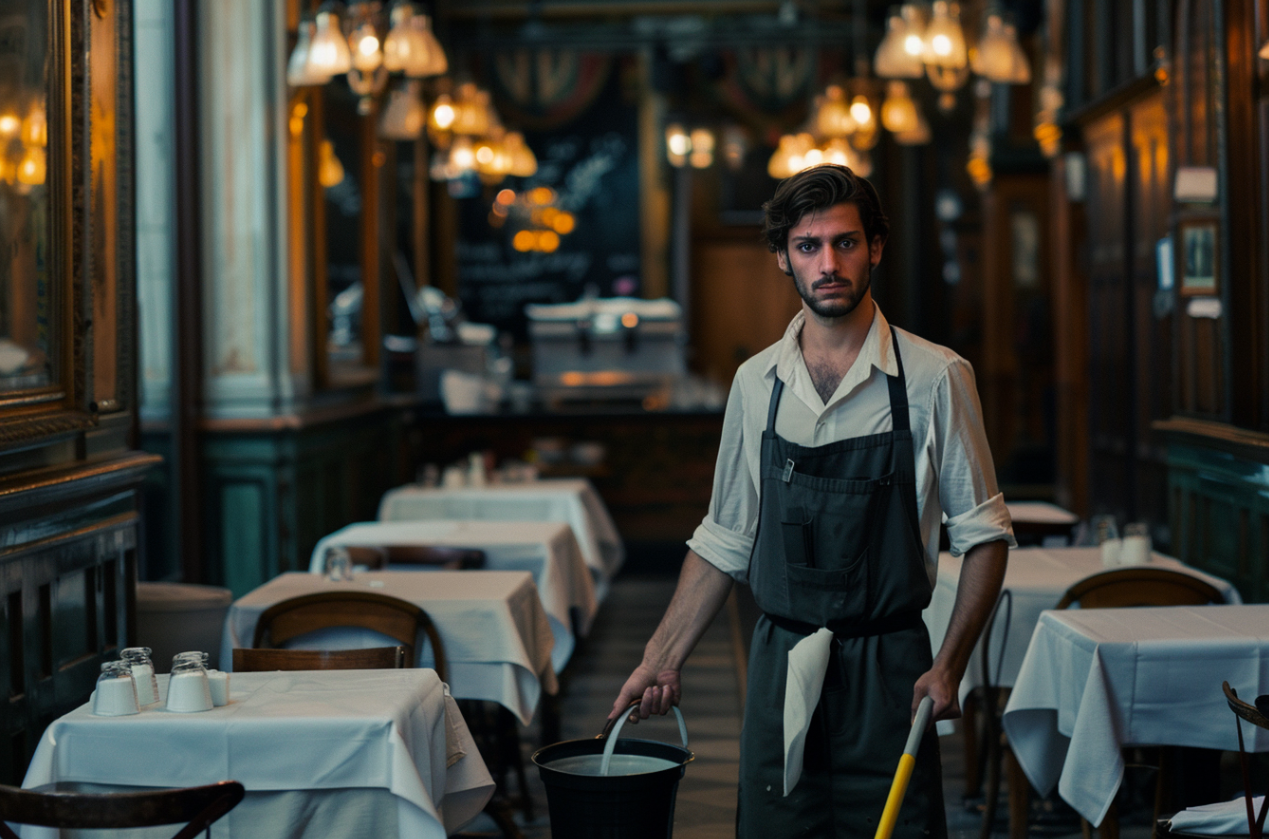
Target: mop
[[901, 776]]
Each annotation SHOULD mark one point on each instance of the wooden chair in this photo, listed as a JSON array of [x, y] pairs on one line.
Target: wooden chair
[[372, 658], [390, 616], [1119, 588], [57, 805], [440, 557], [1140, 586], [1257, 715]]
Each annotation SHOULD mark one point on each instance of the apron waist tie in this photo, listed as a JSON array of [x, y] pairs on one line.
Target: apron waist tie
[[808, 662], [896, 622]]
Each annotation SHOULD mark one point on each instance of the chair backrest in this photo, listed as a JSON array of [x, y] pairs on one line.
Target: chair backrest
[[1251, 713], [390, 616], [370, 658], [54, 806], [442, 557], [1138, 586]]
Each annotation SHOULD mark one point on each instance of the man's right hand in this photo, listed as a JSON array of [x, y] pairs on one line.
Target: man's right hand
[[655, 691]]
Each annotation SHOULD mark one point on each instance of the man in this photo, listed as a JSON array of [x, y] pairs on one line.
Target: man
[[844, 446]]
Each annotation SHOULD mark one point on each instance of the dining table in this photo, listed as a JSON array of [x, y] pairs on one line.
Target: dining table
[[547, 550], [349, 753], [571, 500], [1096, 680], [1035, 580], [1036, 521], [496, 635]]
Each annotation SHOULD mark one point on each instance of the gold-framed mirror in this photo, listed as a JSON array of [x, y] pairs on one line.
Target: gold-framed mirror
[[43, 381]]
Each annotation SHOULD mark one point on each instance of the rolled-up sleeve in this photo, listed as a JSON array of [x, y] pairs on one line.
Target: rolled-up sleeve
[[725, 537], [974, 507]]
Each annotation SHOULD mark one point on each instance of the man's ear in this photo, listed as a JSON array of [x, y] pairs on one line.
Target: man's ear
[[875, 248], [782, 259]]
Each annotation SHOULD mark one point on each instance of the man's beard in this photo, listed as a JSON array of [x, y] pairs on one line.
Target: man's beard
[[834, 307]]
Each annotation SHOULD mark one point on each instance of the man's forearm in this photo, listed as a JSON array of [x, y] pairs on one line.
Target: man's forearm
[[700, 594], [982, 572]]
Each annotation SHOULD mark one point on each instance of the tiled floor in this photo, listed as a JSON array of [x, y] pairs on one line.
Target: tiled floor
[[706, 807]]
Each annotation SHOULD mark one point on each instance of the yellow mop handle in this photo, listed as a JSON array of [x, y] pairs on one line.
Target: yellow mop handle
[[906, 761]]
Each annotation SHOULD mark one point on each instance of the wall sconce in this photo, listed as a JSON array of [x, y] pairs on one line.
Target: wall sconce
[[702, 156], [678, 145], [330, 172], [1264, 50]]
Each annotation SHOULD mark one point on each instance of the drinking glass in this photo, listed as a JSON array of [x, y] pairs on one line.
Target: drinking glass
[[1136, 544], [138, 658], [188, 689], [338, 565], [1107, 533], [116, 693]]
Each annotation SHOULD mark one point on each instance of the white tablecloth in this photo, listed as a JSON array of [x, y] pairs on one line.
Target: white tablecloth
[[547, 550], [1039, 512], [1036, 579], [559, 499], [379, 735], [497, 637], [1099, 679]]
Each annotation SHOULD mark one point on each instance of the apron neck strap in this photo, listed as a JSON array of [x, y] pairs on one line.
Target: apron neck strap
[[898, 388], [776, 390]]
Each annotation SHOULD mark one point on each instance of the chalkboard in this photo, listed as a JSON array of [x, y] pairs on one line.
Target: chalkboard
[[587, 154]]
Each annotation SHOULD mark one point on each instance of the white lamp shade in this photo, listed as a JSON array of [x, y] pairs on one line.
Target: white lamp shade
[[898, 112], [944, 40], [397, 43], [427, 57], [299, 71], [892, 60], [363, 45], [404, 117], [328, 53]]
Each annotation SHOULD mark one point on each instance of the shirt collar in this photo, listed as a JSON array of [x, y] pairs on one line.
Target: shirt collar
[[877, 350]]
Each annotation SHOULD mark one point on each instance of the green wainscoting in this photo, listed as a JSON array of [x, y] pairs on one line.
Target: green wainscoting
[[68, 558], [272, 491], [1218, 502]]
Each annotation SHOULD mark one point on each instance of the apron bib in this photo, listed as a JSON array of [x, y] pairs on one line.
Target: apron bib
[[838, 545]]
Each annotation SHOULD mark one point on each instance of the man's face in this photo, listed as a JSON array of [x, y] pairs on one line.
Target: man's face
[[830, 260]]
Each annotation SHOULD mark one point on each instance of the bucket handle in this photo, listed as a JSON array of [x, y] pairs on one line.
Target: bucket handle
[[620, 720]]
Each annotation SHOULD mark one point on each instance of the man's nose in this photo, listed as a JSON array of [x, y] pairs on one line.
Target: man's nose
[[828, 263]]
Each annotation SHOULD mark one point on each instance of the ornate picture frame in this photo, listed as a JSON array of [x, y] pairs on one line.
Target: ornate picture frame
[[1198, 257]]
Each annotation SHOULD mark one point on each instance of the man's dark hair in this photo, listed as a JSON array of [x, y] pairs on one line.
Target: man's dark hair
[[819, 188]]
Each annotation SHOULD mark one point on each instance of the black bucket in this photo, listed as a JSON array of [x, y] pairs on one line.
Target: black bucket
[[634, 800]]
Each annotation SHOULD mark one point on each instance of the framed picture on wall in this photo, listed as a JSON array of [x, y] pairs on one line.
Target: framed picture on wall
[[1199, 258]]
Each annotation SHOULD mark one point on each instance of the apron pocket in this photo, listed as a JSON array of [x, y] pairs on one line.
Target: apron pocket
[[820, 595]]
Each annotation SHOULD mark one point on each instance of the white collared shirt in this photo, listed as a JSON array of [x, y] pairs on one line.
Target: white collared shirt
[[955, 476]]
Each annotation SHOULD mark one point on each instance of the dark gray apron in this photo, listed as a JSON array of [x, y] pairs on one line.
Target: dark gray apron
[[838, 545]]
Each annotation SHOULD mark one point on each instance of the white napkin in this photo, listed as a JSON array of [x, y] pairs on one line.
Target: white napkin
[[454, 725], [808, 662], [1225, 817]]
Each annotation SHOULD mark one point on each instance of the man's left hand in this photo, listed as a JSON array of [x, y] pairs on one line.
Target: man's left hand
[[941, 687]]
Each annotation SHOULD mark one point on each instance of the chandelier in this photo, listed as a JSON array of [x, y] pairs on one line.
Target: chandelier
[[470, 138], [365, 48], [936, 48]]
